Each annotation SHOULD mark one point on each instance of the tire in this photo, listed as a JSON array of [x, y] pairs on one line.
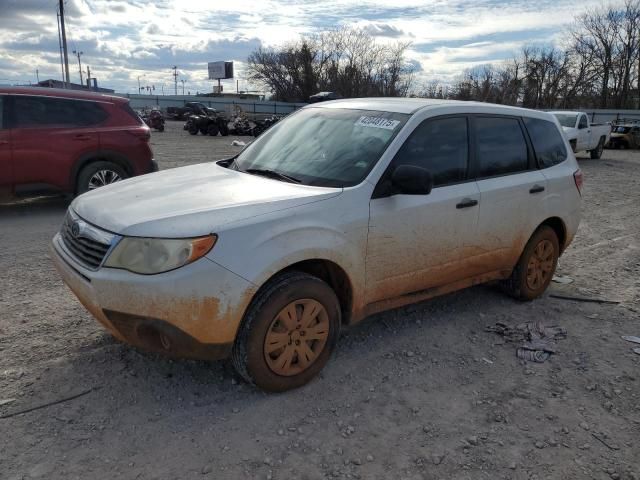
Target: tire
[[520, 285], [203, 131], [596, 153], [212, 130], [161, 128], [224, 130], [193, 130], [261, 324], [98, 174]]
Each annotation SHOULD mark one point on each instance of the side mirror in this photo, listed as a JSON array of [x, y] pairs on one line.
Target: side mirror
[[412, 180]]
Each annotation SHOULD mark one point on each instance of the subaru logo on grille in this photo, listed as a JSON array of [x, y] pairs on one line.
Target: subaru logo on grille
[[75, 229]]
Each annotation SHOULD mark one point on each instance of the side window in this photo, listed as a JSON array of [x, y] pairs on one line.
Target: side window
[[46, 111], [501, 146], [439, 146], [583, 122], [547, 142]]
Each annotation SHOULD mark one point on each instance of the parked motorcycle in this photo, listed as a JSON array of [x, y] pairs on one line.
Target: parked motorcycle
[[155, 120], [264, 125]]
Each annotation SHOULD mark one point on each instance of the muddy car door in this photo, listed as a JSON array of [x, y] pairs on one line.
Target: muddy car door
[[419, 241], [6, 169], [512, 191]]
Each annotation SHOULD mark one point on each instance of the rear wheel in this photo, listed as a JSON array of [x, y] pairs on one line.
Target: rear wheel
[[596, 153], [99, 174], [537, 264], [193, 130], [288, 332]]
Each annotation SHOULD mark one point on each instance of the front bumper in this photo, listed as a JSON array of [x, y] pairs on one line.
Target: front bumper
[[192, 312]]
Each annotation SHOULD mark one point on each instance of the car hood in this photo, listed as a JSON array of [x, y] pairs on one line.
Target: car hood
[[190, 201]]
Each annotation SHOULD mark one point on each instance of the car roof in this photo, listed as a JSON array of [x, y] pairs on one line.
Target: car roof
[[567, 112], [412, 105], [61, 93]]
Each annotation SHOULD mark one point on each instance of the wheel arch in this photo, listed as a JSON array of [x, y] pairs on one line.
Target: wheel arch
[[329, 272], [558, 226], [97, 156]]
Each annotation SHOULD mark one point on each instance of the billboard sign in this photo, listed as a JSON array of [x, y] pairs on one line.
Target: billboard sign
[[220, 70]]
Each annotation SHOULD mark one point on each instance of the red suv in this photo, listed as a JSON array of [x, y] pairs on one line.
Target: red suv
[[70, 141]]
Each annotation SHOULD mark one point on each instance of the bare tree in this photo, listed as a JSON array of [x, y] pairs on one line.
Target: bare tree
[[345, 60]]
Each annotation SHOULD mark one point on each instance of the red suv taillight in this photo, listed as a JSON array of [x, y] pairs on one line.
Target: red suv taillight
[[578, 177], [143, 134]]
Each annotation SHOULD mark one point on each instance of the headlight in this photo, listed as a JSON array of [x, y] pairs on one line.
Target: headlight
[[157, 255]]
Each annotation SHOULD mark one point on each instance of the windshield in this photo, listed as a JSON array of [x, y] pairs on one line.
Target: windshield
[[566, 120], [326, 147]]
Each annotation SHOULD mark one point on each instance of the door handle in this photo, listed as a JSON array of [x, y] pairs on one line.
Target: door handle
[[536, 189], [466, 203]]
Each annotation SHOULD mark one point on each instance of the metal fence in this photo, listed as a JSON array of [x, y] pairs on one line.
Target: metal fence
[[613, 116], [258, 108], [249, 106]]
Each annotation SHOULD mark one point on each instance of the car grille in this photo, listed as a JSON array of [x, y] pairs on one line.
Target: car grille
[[87, 249]]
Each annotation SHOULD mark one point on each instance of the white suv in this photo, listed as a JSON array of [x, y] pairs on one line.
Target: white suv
[[342, 209]]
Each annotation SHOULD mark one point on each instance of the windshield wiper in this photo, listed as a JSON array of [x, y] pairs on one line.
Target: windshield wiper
[[272, 174]]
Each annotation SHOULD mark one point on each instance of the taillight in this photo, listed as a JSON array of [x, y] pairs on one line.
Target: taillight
[[578, 177], [143, 134]]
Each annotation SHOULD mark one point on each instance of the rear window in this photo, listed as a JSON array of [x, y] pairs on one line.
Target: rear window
[[47, 111], [501, 146], [132, 113], [547, 142]]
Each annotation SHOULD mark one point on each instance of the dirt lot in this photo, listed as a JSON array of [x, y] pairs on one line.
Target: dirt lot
[[418, 393]]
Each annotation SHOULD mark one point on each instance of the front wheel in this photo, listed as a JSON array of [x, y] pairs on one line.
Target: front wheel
[[537, 264], [288, 332], [99, 174]]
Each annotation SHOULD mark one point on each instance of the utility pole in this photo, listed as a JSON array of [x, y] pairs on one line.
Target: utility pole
[[78, 53], [60, 45], [64, 43], [182, 80], [37, 76], [175, 78], [88, 77]]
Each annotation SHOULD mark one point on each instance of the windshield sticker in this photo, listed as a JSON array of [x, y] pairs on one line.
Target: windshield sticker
[[377, 122]]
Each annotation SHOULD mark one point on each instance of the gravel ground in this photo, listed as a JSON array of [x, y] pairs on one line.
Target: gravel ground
[[421, 392]]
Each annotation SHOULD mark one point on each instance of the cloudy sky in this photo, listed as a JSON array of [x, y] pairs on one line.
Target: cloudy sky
[[125, 40]]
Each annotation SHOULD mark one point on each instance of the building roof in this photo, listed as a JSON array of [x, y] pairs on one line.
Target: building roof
[[52, 83]]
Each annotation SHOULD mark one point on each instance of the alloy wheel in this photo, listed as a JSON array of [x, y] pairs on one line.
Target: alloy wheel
[[102, 178]]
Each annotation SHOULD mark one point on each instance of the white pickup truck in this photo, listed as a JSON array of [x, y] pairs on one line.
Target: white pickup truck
[[582, 134]]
